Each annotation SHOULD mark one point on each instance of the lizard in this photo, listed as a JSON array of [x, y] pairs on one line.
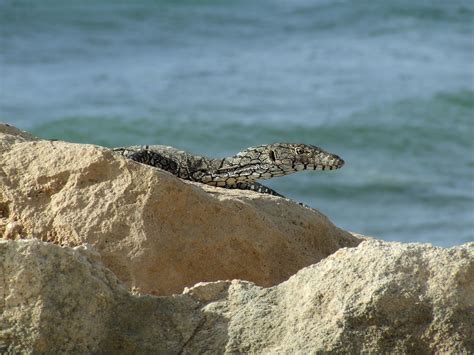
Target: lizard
[[240, 171]]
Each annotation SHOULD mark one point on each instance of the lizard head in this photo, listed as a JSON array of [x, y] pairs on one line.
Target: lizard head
[[291, 157], [270, 160]]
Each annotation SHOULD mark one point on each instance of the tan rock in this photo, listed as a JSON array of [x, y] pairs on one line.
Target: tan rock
[[10, 135], [376, 298], [157, 233]]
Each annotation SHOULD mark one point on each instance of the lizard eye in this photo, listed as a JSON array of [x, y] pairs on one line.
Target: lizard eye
[[299, 150], [272, 155]]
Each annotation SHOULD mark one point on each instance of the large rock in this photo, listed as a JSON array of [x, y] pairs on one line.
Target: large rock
[[376, 298], [157, 233]]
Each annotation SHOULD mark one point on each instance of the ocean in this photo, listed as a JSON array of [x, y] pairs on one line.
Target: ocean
[[388, 86]]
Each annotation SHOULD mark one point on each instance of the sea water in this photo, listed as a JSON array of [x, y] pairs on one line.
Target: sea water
[[387, 85]]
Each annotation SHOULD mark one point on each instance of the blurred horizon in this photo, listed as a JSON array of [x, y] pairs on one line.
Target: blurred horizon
[[387, 86]]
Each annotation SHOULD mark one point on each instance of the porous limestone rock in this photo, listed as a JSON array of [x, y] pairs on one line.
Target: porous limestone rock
[[157, 233], [376, 298]]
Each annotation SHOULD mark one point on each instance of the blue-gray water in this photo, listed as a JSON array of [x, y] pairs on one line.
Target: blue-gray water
[[387, 85]]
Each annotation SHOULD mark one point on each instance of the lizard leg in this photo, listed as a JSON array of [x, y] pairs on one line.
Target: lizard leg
[[255, 186]]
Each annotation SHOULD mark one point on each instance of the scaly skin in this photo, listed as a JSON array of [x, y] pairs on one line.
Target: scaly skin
[[240, 171]]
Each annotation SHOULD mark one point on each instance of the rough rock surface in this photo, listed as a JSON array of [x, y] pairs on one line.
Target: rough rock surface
[[157, 233], [376, 298]]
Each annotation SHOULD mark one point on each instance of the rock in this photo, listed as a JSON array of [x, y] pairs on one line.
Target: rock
[[157, 233], [10, 135], [376, 298], [12, 230]]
